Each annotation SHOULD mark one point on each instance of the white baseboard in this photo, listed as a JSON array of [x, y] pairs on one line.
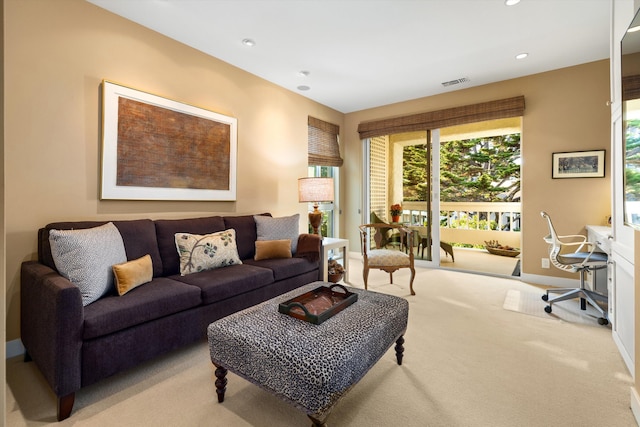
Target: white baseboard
[[14, 348], [635, 404]]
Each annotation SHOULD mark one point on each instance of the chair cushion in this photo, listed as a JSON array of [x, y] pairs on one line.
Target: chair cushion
[[579, 257], [387, 258]]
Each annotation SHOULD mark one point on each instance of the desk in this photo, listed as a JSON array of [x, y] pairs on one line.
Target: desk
[[600, 235], [332, 244]]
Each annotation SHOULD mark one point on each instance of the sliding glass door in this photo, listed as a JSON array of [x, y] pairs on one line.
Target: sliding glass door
[[458, 188], [399, 170]]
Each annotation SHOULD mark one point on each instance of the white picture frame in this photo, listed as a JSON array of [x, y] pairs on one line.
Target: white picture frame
[[154, 148]]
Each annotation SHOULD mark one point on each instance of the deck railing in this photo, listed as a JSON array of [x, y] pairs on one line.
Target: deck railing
[[471, 222]]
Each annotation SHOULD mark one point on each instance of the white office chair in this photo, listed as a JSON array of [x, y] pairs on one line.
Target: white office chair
[[574, 253]]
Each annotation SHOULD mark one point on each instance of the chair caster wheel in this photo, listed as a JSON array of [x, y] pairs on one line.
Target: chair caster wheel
[[602, 321], [548, 309], [545, 297]]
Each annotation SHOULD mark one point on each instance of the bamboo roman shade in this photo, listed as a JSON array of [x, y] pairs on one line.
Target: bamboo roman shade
[[630, 87], [501, 109], [323, 143]]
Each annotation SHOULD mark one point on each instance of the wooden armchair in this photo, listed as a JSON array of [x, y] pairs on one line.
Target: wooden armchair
[[375, 255]]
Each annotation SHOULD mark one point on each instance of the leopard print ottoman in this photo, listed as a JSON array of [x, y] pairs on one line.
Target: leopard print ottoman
[[310, 366]]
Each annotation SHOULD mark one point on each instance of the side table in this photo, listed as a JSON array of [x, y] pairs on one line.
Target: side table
[[333, 244]]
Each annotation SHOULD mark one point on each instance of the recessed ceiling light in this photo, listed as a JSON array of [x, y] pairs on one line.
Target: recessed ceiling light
[[248, 42], [511, 2], [303, 87], [522, 55], [304, 73]]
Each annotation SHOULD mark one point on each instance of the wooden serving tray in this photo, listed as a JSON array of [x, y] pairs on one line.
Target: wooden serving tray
[[318, 305]]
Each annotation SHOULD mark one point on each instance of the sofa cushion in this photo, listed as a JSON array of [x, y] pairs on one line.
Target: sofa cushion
[[279, 228], [85, 257], [246, 233], [132, 274], [268, 249], [227, 282], [206, 252], [139, 237], [284, 268], [158, 298], [166, 230]]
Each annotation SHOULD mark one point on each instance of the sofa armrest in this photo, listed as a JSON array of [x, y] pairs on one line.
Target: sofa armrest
[[309, 246], [51, 321]]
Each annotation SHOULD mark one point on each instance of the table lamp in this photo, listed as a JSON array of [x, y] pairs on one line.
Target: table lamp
[[315, 190]]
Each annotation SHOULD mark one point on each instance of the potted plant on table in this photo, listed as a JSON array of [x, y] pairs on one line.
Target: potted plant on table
[[335, 270], [396, 211]]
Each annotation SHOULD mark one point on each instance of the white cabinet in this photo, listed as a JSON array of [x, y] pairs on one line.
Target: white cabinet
[[623, 306]]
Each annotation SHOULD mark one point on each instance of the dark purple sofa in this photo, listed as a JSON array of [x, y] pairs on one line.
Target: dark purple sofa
[[75, 346]]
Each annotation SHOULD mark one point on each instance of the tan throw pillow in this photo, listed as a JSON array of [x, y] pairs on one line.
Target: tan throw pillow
[[269, 249], [199, 253], [132, 274]]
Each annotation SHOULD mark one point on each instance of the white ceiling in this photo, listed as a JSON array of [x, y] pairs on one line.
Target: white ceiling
[[367, 53]]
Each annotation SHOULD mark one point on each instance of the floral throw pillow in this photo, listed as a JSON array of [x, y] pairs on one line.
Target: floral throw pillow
[[206, 252]]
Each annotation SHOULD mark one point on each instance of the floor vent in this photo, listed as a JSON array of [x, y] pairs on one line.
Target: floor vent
[[455, 82]]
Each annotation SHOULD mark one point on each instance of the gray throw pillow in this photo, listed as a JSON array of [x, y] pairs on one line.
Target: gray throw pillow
[[86, 256], [283, 228]]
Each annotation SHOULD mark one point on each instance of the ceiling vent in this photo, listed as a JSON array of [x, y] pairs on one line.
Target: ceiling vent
[[455, 82]]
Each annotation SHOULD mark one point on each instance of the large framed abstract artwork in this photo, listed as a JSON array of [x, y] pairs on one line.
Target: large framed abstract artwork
[[154, 148]]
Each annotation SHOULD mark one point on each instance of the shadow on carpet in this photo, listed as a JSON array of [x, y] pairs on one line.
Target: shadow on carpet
[[531, 303]]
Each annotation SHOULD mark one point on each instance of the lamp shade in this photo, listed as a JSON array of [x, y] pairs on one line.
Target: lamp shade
[[315, 190]]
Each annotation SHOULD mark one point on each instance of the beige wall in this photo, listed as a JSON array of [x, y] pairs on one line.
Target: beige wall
[[56, 55], [565, 110]]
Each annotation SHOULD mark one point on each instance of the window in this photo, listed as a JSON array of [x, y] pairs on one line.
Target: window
[[324, 160]]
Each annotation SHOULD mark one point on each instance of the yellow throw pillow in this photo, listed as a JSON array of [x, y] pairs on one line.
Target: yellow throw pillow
[[132, 274], [268, 249]]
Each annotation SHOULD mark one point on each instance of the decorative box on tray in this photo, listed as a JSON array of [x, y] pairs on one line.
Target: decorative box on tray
[[318, 305]]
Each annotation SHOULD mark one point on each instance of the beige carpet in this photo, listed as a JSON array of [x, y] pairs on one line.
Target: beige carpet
[[468, 362], [531, 303]]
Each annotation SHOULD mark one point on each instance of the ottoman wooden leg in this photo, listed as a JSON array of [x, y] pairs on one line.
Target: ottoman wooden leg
[[316, 422], [399, 349], [221, 382]]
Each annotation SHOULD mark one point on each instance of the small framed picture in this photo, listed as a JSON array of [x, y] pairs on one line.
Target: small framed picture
[[578, 164]]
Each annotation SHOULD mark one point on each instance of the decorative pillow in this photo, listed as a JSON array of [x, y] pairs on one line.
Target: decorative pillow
[[269, 249], [85, 258], [134, 273], [198, 253], [283, 228]]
